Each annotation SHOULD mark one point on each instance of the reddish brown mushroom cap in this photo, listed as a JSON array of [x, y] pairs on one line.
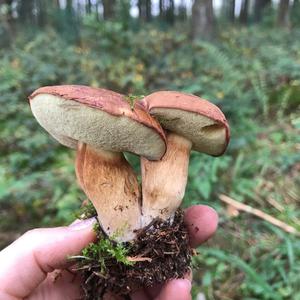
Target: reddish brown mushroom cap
[[196, 119], [72, 113]]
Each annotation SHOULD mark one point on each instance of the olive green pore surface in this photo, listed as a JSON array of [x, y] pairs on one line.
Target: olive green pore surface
[[206, 134], [69, 122]]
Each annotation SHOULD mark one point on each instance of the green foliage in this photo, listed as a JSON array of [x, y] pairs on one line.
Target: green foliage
[[103, 250], [86, 211], [261, 272], [132, 99], [252, 74]]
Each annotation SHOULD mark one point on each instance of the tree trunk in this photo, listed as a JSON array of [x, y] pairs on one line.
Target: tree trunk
[[295, 13], [25, 11], [182, 13], [97, 10], [108, 9], [148, 10], [296, 5], [202, 19], [142, 10], [56, 4], [231, 10], [283, 14], [169, 11], [259, 7], [41, 6], [8, 22], [244, 12], [69, 5], [161, 9], [144, 7], [9, 12], [88, 6]]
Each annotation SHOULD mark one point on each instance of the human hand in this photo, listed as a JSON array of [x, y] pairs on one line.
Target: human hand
[[28, 267]]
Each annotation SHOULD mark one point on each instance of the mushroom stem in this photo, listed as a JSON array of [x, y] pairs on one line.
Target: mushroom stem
[[164, 181], [111, 184]]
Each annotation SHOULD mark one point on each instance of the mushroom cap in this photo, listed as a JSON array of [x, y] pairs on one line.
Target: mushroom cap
[[196, 119], [100, 118]]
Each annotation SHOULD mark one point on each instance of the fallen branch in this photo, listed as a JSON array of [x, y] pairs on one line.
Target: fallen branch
[[258, 213]]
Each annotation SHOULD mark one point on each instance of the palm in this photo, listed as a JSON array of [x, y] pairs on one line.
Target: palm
[[59, 285]]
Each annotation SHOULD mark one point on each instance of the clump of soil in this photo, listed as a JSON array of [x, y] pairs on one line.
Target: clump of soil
[[160, 252]]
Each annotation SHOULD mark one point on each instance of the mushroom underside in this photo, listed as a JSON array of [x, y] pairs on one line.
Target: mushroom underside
[[206, 135], [70, 121]]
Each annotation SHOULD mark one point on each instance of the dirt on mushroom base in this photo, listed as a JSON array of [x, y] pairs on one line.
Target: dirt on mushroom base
[[160, 252]]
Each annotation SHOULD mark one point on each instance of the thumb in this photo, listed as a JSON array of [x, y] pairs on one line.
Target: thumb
[[26, 262]]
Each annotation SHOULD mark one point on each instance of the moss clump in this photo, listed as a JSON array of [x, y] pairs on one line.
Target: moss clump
[[86, 211], [104, 250], [160, 251], [132, 99]]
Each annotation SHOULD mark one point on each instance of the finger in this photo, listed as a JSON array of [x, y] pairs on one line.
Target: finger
[[26, 262], [140, 295], [202, 222], [58, 285], [154, 291], [177, 289]]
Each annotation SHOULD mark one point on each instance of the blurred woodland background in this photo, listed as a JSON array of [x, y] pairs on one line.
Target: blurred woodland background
[[242, 55]]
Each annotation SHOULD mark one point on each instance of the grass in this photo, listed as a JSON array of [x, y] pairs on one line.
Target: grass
[[250, 258]]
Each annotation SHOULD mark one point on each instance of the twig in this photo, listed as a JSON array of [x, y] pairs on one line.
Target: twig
[[138, 258], [258, 213]]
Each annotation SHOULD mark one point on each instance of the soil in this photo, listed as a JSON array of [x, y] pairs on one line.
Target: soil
[[160, 252]]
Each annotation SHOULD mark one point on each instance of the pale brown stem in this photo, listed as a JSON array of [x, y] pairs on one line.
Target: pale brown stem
[[164, 181], [111, 184]]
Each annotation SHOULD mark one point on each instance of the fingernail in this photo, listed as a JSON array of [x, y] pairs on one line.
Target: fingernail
[[83, 224]]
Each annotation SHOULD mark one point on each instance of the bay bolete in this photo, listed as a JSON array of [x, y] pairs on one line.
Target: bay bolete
[[102, 125], [191, 123]]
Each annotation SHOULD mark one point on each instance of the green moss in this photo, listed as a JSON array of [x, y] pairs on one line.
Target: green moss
[[103, 250], [97, 229], [86, 211], [131, 99]]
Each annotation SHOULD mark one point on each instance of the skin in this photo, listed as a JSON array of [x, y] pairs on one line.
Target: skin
[[29, 266]]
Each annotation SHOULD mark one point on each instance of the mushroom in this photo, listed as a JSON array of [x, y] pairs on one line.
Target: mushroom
[[191, 123], [102, 125]]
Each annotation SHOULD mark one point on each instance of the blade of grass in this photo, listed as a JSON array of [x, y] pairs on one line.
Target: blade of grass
[[242, 265]]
